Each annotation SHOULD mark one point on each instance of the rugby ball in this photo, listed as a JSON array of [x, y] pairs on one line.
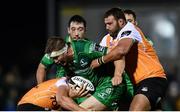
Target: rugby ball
[[81, 81]]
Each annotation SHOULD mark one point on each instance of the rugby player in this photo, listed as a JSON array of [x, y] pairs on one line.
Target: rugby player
[[73, 59], [141, 61], [45, 96]]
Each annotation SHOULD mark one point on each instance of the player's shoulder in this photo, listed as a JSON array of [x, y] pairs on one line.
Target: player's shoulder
[[51, 81], [46, 60], [128, 30], [61, 81]]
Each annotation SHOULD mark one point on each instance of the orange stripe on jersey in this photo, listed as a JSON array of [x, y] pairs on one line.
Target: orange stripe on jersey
[[108, 40], [42, 95], [142, 61]]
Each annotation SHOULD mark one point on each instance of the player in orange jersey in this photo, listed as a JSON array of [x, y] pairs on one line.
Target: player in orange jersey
[[44, 96], [141, 60], [111, 42]]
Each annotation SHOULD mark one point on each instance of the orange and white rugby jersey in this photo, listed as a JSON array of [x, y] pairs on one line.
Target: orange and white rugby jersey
[[44, 94], [142, 61], [109, 42]]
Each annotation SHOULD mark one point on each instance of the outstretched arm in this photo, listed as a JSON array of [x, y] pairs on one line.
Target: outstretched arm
[[115, 54], [120, 50]]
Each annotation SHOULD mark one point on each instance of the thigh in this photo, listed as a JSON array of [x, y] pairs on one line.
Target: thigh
[[110, 95], [92, 103], [106, 96]]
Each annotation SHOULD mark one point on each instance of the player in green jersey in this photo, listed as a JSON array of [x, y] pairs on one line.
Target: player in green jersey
[[76, 30], [73, 59]]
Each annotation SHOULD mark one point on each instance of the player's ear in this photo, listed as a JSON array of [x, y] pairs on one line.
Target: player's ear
[[68, 29], [121, 22]]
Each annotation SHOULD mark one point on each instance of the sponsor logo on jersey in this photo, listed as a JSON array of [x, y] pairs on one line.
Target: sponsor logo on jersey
[[83, 62], [126, 33]]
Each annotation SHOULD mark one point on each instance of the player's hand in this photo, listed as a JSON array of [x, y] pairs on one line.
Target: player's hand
[[116, 80], [94, 64], [76, 91]]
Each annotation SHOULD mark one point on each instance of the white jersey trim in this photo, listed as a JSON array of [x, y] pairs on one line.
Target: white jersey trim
[[134, 34], [103, 41], [61, 81]]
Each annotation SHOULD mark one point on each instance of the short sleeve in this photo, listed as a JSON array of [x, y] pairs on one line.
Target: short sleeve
[[47, 61]]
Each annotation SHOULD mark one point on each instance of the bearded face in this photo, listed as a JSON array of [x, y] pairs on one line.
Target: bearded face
[[112, 25]]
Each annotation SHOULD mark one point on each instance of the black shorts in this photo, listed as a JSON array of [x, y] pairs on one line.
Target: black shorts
[[154, 89], [30, 107]]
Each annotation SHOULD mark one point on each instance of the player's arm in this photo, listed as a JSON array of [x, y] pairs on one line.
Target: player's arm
[[120, 50], [41, 73], [45, 64], [115, 54], [119, 69], [65, 101]]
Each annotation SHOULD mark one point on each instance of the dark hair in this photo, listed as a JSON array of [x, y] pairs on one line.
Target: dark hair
[[54, 43], [128, 11], [116, 12], [77, 18]]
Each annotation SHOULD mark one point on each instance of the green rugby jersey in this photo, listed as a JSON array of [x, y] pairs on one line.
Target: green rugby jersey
[[84, 52]]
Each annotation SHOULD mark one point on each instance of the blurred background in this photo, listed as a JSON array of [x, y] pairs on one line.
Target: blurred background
[[27, 24]]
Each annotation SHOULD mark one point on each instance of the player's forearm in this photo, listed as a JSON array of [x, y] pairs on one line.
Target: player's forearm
[[40, 74], [68, 104], [63, 99], [119, 67], [113, 55]]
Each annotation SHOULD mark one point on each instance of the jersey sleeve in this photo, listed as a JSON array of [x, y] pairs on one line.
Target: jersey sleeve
[[47, 61], [96, 50], [129, 31]]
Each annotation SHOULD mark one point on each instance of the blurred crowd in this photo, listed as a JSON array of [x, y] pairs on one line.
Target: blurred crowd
[[13, 86]]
